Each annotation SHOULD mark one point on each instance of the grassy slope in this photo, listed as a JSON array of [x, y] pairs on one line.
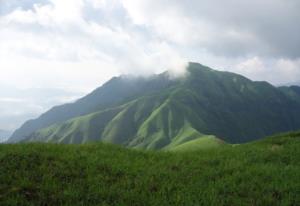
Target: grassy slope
[[151, 122], [205, 142], [206, 101], [258, 173], [113, 93]]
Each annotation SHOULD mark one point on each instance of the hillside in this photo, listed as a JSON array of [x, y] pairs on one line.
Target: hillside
[[114, 92], [291, 91], [206, 142], [258, 173], [158, 112]]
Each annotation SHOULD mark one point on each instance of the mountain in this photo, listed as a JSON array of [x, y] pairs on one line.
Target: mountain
[[116, 91], [4, 135], [162, 112], [292, 91], [264, 172]]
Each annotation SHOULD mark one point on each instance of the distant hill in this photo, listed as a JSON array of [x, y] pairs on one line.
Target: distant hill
[[4, 135], [161, 112], [258, 173]]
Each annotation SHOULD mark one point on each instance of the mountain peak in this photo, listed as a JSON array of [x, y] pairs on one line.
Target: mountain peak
[[198, 66]]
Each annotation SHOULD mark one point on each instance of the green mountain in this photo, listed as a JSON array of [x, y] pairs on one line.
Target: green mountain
[[291, 91], [257, 173], [116, 91], [162, 113]]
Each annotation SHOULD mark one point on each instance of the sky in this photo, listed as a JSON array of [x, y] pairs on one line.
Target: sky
[[55, 51]]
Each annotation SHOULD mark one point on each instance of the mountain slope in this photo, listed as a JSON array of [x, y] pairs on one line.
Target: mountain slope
[[203, 143], [258, 173], [204, 102], [115, 91], [151, 122], [292, 91]]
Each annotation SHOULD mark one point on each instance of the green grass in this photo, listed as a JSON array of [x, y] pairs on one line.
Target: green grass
[[259, 173], [205, 142]]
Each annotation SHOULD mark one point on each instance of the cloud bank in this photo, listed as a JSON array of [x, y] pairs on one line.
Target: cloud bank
[[75, 45]]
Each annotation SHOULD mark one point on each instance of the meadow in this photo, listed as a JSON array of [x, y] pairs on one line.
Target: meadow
[[265, 172]]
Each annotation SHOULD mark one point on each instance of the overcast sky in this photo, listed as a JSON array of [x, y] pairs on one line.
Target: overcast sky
[[54, 51]]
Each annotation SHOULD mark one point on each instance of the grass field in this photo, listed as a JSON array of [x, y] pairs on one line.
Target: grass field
[[259, 173], [203, 143]]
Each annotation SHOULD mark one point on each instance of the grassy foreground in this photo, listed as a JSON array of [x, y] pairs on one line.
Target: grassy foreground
[[260, 173]]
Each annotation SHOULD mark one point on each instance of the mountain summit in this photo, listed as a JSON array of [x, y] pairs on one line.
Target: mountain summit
[[159, 112]]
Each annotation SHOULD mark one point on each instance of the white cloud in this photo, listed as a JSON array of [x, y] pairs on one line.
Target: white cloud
[[277, 71], [227, 28]]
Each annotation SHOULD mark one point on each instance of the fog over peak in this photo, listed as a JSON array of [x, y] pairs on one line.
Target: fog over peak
[[77, 45]]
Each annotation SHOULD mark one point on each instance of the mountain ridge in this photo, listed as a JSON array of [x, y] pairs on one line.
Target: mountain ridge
[[162, 111], [97, 99]]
